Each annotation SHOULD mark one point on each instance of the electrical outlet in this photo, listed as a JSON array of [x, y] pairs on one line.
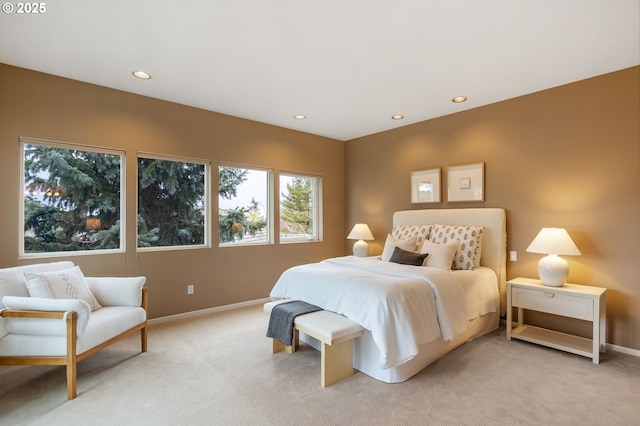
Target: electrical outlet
[[513, 256], [190, 289]]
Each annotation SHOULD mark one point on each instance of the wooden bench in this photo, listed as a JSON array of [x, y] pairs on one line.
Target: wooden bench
[[336, 334]]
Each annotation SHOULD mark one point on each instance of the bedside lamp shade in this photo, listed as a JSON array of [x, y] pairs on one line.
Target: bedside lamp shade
[[360, 232], [553, 269]]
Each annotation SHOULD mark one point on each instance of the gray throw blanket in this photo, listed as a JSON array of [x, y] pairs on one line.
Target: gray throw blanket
[[282, 316]]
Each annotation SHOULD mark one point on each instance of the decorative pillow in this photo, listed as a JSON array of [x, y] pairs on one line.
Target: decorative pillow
[[117, 291], [66, 284], [12, 282], [421, 232], [391, 243], [407, 257], [470, 248], [440, 255]]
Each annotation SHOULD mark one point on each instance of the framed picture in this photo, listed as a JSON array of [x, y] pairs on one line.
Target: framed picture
[[466, 182], [425, 186]]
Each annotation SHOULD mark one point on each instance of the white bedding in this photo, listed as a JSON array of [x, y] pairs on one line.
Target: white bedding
[[402, 306]]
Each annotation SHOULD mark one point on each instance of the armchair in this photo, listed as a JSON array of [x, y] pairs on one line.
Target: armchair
[[64, 331]]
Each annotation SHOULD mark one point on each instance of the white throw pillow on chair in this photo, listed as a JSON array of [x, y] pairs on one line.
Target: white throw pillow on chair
[[66, 284]]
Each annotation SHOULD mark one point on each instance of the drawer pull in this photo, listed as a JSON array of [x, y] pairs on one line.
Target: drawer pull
[[549, 295]]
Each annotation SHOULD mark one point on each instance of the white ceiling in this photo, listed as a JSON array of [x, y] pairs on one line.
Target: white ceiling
[[347, 65]]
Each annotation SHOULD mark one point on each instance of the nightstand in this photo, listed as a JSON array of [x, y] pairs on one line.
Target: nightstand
[[571, 300]]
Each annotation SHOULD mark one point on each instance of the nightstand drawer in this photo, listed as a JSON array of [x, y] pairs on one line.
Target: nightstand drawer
[[553, 303]]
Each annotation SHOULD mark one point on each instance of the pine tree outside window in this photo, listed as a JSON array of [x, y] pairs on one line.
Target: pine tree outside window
[[244, 205], [73, 199], [300, 208], [172, 202]]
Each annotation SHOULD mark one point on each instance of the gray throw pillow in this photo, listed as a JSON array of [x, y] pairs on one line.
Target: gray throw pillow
[[408, 257]]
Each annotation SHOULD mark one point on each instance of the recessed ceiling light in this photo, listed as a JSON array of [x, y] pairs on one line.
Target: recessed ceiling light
[[459, 99], [299, 117], [397, 117], [142, 75]]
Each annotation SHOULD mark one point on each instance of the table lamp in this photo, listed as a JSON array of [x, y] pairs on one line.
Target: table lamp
[[553, 269], [360, 232]]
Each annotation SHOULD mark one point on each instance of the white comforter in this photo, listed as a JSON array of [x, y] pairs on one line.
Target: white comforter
[[402, 306]]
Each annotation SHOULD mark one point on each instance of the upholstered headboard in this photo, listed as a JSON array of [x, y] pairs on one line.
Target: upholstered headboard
[[494, 237]]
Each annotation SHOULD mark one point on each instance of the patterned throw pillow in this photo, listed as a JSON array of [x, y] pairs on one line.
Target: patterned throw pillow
[[66, 284], [469, 239], [421, 232]]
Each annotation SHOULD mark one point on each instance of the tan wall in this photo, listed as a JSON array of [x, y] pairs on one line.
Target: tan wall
[[566, 157], [43, 106]]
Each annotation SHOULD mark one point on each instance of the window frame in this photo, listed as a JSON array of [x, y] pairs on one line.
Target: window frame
[[207, 201], [76, 147], [270, 233], [317, 217]]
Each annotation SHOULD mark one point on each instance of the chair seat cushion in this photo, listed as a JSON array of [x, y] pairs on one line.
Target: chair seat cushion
[[103, 325]]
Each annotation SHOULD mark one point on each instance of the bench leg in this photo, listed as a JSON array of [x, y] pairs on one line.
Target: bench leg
[[337, 362], [278, 346]]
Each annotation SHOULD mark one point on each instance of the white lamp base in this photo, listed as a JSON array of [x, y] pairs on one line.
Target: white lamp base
[[360, 248], [553, 270]]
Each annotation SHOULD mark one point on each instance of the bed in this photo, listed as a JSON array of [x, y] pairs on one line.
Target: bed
[[413, 315]]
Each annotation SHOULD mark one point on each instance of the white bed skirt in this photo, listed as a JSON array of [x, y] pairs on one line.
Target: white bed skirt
[[366, 357]]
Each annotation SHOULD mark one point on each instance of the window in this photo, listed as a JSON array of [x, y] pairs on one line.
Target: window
[[300, 208], [72, 198], [244, 205], [172, 202]]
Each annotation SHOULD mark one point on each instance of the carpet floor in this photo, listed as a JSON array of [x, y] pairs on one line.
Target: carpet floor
[[217, 369]]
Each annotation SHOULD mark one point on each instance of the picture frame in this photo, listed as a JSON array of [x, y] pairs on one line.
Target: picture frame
[[425, 186], [465, 183]]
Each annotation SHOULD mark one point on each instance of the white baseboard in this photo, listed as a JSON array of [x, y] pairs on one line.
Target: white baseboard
[[208, 311], [622, 349]]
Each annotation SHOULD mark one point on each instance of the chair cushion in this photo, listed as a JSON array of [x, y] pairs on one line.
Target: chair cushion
[[103, 325], [12, 281], [117, 291], [65, 284], [43, 326]]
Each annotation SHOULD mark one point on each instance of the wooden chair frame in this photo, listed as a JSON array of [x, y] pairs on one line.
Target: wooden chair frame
[[71, 359]]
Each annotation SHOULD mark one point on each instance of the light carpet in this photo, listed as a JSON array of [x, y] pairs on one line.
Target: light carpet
[[217, 369]]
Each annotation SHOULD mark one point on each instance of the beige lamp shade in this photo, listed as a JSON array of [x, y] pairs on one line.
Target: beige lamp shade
[[552, 269], [360, 232]]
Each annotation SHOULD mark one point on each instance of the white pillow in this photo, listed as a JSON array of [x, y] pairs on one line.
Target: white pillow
[[66, 284], [391, 243], [12, 279], [118, 291], [440, 255]]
